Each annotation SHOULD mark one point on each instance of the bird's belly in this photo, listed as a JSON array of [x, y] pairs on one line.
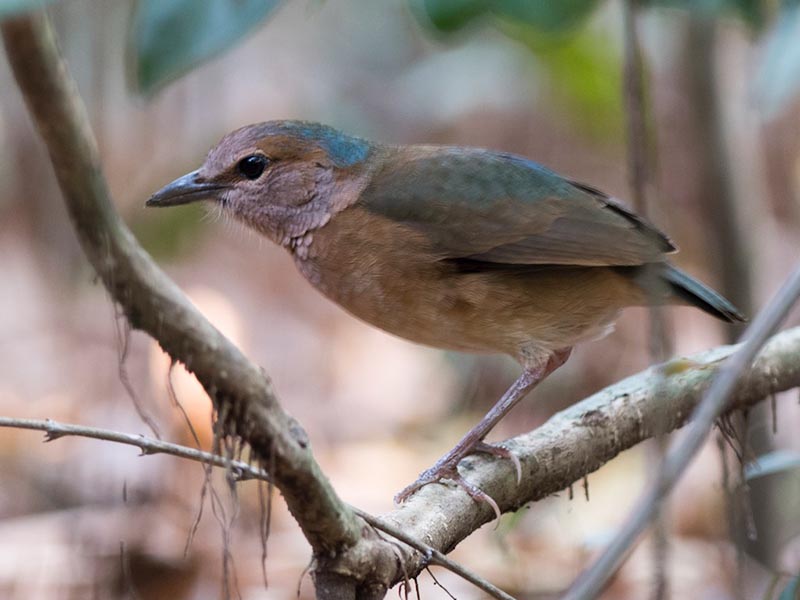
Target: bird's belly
[[472, 312]]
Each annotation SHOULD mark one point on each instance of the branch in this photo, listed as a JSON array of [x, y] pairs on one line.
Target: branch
[[640, 175], [683, 449], [580, 439], [569, 446], [572, 444], [241, 471], [638, 165], [242, 393]]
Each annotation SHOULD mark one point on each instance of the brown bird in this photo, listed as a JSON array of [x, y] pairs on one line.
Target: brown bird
[[453, 247]]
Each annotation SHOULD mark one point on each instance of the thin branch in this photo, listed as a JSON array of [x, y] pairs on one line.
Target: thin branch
[[640, 172], [241, 471], [683, 449], [433, 556], [153, 303]]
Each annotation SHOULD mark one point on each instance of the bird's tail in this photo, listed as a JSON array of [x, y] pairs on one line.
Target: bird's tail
[[695, 293]]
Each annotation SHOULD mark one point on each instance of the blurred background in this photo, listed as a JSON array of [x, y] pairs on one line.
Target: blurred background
[[88, 519]]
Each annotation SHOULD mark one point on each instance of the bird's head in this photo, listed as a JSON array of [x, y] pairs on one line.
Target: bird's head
[[279, 177]]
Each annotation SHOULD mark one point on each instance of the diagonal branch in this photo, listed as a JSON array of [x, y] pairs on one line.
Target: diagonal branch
[[241, 471], [683, 449], [573, 443], [580, 439], [242, 393]]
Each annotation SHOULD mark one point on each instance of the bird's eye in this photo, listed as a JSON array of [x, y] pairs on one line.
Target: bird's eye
[[252, 166]]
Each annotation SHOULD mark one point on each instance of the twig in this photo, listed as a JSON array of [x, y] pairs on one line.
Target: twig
[[241, 471], [684, 448], [433, 556]]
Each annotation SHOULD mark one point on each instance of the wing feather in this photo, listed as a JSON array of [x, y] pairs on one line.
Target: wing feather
[[500, 208]]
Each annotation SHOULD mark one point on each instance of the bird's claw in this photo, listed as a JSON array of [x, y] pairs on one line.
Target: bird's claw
[[451, 474], [501, 452], [447, 468], [437, 472]]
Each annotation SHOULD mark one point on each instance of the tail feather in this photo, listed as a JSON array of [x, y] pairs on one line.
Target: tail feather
[[695, 293]]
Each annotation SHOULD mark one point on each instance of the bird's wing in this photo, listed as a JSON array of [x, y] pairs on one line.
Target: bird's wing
[[500, 208]]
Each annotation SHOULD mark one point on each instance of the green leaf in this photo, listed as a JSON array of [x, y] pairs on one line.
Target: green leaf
[[584, 72], [10, 7], [772, 463], [545, 15], [778, 75], [451, 15], [750, 11], [172, 36]]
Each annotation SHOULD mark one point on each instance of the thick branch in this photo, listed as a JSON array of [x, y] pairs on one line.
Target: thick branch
[[570, 445], [580, 439], [684, 448], [242, 393]]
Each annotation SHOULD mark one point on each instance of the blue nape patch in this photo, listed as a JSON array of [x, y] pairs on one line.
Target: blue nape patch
[[344, 150]]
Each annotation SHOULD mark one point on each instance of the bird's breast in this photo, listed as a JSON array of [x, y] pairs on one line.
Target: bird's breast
[[387, 274]]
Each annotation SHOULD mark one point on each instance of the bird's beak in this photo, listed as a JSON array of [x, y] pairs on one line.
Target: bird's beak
[[186, 189]]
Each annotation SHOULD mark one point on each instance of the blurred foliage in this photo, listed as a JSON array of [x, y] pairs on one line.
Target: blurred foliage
[[546, 15], [450, 15], [167, 234], [549, 16], [778, 77], [585, 74], [792, 590], [750, 11], [583, 65], [171, 36], [9, 7]]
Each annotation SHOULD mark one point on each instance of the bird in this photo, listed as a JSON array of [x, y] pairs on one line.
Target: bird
[[461, 248]]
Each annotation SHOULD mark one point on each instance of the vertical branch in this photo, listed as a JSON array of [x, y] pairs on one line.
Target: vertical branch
[[640, 168], [636, 118], [640, 177], [729, 249]]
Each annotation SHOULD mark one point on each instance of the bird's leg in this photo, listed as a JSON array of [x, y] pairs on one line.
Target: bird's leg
[[447, 466]]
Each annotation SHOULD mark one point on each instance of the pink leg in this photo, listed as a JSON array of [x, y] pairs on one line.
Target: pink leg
[[447, 466]]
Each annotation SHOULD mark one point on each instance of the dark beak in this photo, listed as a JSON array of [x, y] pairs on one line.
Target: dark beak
[[186, 189]]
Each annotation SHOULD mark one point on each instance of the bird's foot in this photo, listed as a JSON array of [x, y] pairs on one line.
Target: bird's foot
[[447, 468], [501, 452]]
